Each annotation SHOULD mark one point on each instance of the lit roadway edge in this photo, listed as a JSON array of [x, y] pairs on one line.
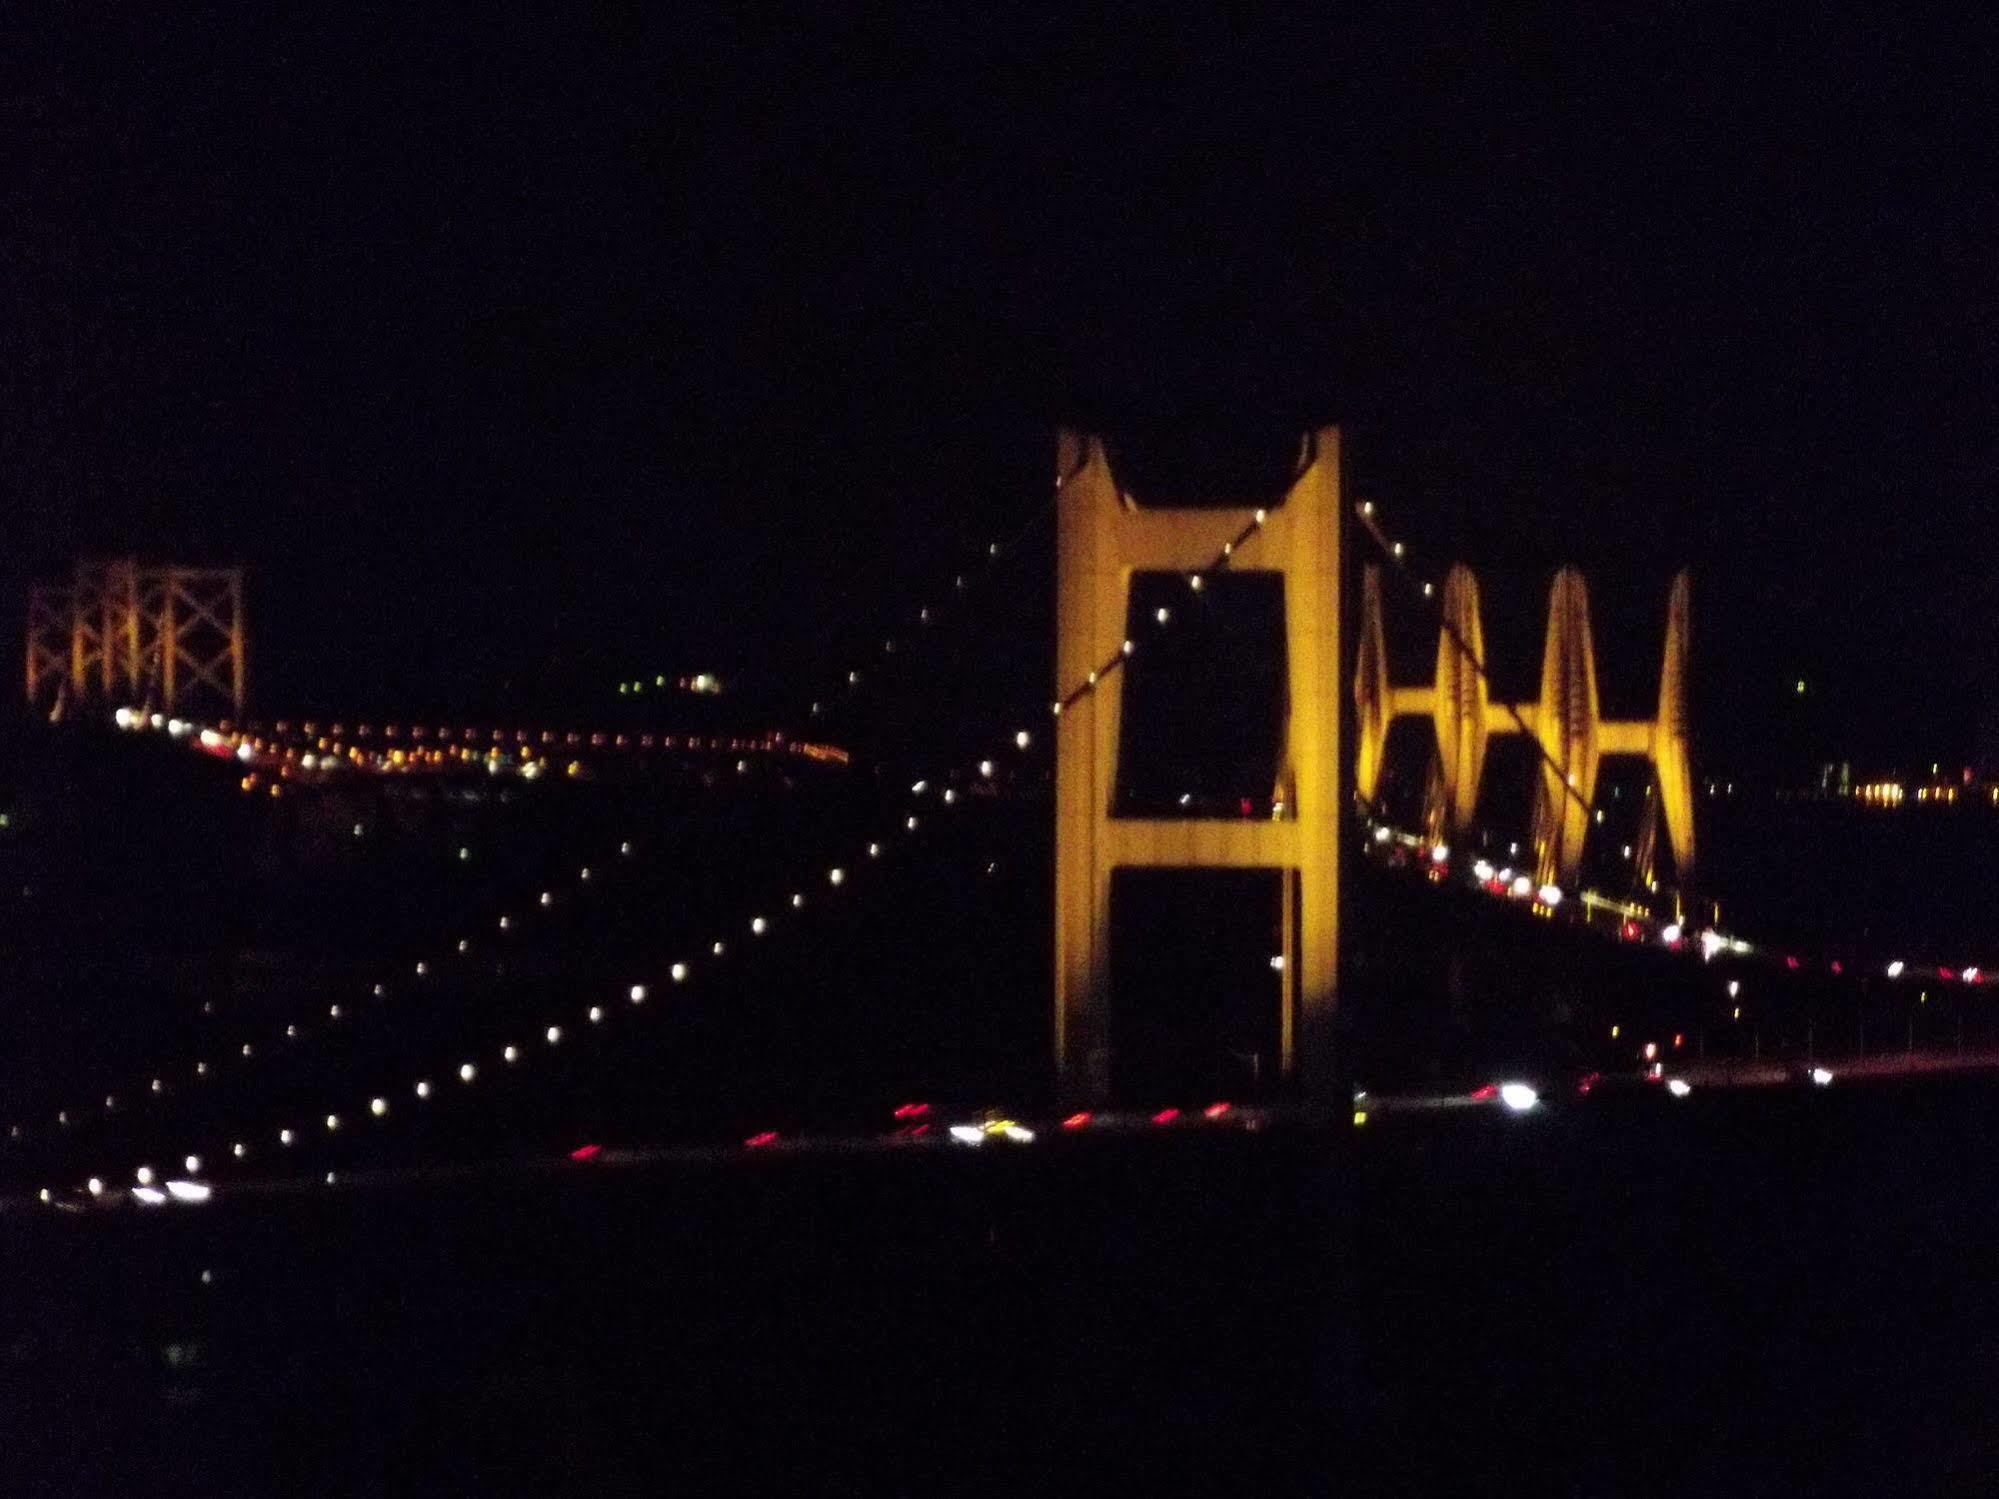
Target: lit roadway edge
[[1509, 1098]]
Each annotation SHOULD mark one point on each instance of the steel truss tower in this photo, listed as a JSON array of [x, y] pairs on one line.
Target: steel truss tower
[[160, 636]]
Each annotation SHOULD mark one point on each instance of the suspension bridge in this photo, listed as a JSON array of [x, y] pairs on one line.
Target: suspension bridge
[[238, 1106]]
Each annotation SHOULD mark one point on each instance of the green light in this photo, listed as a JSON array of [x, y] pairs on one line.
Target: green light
[[1801, 686]]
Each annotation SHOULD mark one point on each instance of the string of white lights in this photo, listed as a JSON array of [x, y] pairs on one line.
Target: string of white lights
[[423, 1088], [226, 1057], [432, 1083], [1162, 617], [995, 555]]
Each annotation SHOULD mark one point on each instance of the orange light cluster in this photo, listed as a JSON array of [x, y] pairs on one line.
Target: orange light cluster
[[280, 751]]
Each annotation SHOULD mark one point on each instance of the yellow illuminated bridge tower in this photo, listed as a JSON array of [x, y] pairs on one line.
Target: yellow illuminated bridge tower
[[1103, 539]]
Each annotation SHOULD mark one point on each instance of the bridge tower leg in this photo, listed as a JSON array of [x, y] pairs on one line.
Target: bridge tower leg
[[48, 642], [119, 627], [1672, 755], [1102, 540], [89, 658], [1461, 702], [1567, 723], [1374, 699]]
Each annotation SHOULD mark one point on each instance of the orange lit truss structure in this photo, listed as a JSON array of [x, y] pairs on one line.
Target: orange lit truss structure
[[153, 635], [1565, 723]]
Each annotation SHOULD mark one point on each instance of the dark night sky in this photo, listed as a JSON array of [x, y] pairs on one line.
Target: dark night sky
[[519, 352]]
